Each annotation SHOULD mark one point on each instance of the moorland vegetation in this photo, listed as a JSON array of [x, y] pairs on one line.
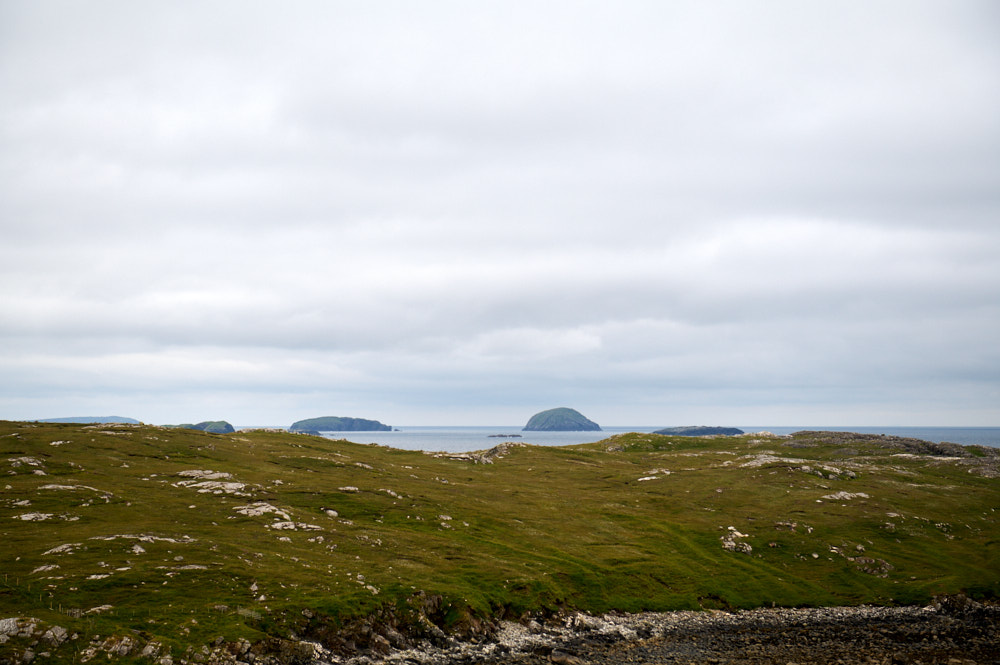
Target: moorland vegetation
[[172, 545]]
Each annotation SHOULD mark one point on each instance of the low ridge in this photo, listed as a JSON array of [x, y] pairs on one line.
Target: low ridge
[[700, 430], [212, 426], [87, 420]]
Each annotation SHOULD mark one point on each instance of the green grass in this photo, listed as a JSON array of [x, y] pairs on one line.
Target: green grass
[[542, 529]]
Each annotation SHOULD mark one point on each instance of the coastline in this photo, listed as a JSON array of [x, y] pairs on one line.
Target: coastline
[[954, 630], [456, 439]]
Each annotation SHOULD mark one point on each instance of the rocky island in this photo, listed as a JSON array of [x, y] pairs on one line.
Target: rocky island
[[560, 420], [338, 424]]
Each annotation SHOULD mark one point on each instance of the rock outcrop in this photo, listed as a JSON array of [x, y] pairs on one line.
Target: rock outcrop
[[954, 630]]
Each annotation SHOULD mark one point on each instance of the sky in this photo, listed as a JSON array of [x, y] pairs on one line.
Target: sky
[[454, 213]]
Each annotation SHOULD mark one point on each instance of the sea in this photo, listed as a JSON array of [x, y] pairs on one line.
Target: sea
[[466, 439]]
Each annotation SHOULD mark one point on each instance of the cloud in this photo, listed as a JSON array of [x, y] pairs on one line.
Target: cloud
[[447, 210]]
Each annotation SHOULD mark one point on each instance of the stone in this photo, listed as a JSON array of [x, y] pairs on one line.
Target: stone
[[562, 658], [55, 635]]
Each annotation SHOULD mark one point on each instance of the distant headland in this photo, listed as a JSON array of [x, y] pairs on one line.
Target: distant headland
[[93, 420], [700, 430], [211, 426]]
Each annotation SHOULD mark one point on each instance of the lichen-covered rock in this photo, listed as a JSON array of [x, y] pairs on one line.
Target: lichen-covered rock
[[55, 635]]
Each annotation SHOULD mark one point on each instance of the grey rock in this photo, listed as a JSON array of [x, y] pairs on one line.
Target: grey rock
[[55, 635], [9, 626], [562, 658]]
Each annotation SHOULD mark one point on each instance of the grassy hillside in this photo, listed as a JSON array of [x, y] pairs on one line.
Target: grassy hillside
[[181, 538]]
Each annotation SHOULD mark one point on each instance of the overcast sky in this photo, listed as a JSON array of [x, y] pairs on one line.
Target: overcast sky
[[658, 213]]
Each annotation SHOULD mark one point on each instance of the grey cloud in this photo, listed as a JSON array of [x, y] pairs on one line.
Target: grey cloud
[[467, 205]]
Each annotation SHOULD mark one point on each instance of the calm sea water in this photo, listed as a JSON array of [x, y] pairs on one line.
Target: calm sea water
[[465, 439]]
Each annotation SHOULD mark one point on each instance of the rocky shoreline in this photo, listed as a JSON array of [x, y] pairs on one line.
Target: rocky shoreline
[[953, 631]]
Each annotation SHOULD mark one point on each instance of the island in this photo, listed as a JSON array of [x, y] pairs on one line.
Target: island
[[338, 424], [562, 419], [700, 430], [93, 420], [211, 426]]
